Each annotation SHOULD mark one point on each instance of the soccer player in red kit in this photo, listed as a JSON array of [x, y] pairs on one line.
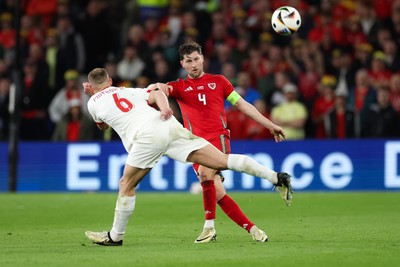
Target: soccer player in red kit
[[201, 98]]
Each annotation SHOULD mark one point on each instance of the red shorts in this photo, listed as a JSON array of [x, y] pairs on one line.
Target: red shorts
[[222, 142]]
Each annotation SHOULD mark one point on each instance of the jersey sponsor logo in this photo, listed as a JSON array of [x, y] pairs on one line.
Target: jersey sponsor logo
[[212, 86], [189, 89], [201, 87]]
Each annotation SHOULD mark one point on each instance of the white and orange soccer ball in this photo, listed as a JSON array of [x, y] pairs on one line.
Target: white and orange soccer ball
[[286, 20]]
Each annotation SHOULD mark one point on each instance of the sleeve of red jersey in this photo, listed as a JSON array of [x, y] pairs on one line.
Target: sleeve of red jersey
[[227, 86]]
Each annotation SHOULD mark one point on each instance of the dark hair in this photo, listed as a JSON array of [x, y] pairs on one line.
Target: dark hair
[[188, 48]]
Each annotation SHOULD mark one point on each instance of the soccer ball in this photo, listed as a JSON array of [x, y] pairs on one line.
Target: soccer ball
[[286, 20]]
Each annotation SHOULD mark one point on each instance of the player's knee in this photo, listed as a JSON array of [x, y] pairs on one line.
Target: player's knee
[[204, 176]]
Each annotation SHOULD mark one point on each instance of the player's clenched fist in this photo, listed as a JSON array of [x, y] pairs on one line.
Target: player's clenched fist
[[87, 89]]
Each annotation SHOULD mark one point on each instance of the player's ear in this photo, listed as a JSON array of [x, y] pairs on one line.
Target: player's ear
[[110, 80]]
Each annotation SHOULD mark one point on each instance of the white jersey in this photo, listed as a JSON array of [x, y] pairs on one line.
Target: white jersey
[[145, 136], [126, 110]]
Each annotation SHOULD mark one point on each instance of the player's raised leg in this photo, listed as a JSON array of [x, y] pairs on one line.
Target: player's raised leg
[[213, 158]]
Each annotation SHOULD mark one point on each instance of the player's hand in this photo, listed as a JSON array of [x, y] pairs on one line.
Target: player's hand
[[164, 87], [278, 133], [87, 89], [166, 114]]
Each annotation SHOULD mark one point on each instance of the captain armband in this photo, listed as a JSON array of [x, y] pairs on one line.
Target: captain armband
[[233, 98]]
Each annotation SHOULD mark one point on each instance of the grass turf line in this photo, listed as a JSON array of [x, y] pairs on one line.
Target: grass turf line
[[329, 229]]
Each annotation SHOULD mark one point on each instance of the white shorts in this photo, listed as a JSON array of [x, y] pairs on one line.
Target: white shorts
[[170, 138]]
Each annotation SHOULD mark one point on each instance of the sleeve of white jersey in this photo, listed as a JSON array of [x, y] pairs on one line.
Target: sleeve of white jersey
[[92, 112]]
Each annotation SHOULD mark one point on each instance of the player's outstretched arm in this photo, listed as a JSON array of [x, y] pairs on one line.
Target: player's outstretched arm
[[160, 99], [250, 111], [161, 86]]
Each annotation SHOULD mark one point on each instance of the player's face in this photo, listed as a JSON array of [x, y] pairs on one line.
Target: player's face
[[193, 64]]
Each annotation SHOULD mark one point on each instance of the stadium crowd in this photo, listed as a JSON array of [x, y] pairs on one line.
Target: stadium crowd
[[337, 77]]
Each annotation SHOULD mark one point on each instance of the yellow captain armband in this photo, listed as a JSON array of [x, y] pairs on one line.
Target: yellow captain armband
[[233, 98]]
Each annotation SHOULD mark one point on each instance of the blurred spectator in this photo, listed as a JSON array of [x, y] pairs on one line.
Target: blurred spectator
[[131, 65], [236, 122], [7, 32], [36, 55], [189, 30], [238, 26], [44, 9], [291, 115], [379, 73], [392, 55], [395, 92], [34, 104], [382, 36], [353, 31], [219, 36], [75, 125], [362, 95], [308, 81], [362, 56], [341, 121], [256, 65], [265, 42], [96, 33], [369, 22], [342, 70], [323, 104], [382, 121], [59, 104], [167, 48], [395, 20], [173, 19], [276, 96], [136, 40], [111, 67], [151, 27], [4, 68], [50, 57], [229, 71], [4, 113], [222, 56], [245, 89], [31, 30], [71, 49], [162, 72]]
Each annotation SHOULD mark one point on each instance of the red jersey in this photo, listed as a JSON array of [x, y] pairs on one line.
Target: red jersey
[[201, 102]]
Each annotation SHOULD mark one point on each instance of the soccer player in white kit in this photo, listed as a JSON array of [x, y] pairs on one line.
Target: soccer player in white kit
[[148, 134]]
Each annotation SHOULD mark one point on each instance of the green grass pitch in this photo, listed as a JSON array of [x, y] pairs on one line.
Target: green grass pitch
[[319, 229]]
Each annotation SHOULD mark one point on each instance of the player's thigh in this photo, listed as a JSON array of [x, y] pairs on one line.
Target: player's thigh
[[209, 156]]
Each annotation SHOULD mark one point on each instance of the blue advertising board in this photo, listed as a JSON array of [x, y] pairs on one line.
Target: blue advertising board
[[315, 165]]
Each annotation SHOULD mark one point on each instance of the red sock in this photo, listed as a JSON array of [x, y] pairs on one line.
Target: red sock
[[232, 209], [209, 199]]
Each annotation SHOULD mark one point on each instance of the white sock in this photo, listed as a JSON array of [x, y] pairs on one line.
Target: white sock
[[209, 224], [242, 163], [123, 211], [252, 229]]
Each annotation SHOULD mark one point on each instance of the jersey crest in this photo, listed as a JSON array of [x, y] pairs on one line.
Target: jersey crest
[[212, 86]]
